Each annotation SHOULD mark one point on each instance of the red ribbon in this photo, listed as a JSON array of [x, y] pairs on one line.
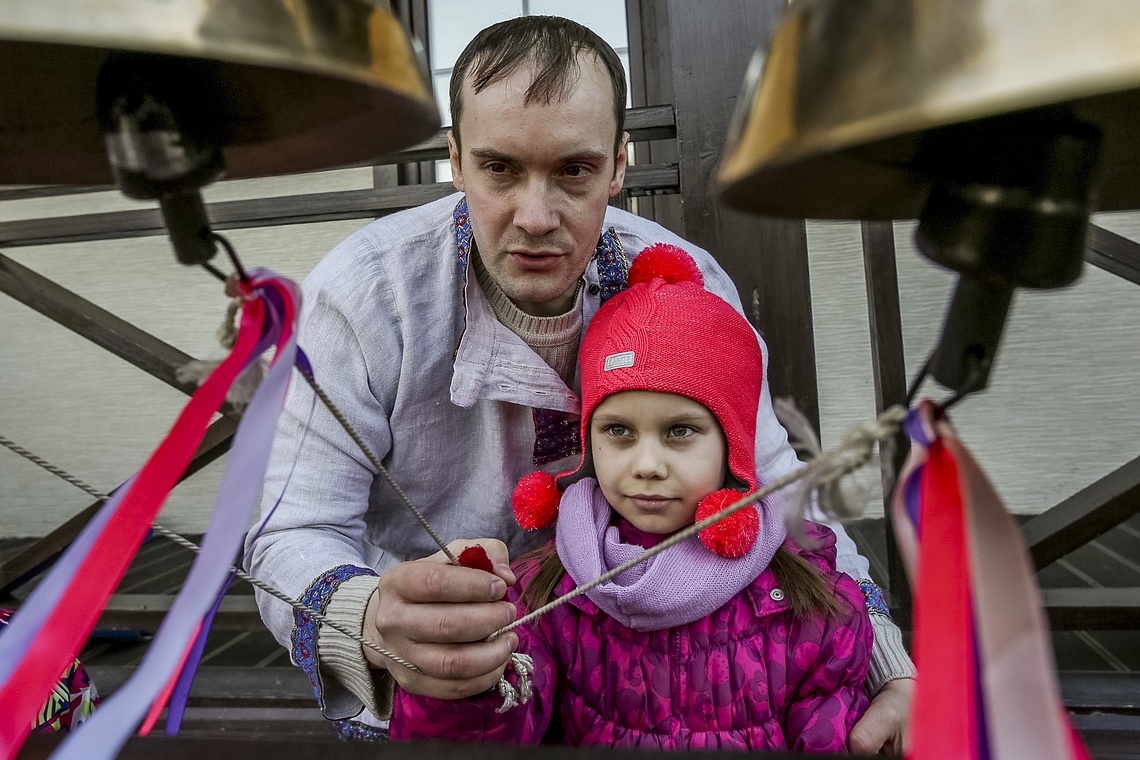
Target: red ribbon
[[71, 621], [987, 684], [944, 722]]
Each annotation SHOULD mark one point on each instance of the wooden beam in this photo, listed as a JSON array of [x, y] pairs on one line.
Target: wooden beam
[[651, 83], [16, 570], [1113, 253], [98, 325], [271, 212], [1092, 609], [881, 276], [1110, 692], [766, 258], [145, 612], [216, 686], [49, 191], [888, 363], [259, 212], [37, 555], [1083, 516]]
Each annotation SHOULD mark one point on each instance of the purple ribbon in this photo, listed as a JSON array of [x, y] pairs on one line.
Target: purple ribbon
[[107, 730]]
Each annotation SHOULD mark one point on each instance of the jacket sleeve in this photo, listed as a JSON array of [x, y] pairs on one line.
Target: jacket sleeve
[[475, 719], [318, 482], [829, 660]]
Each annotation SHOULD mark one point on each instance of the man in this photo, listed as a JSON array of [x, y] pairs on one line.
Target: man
[[448, 336]]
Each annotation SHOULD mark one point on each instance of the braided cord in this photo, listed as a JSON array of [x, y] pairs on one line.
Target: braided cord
[[62, 474]]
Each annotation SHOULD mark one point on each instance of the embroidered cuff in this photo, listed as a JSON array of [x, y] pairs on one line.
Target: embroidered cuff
[[343, 658], [889, 659], [335, 700], [873, 597]]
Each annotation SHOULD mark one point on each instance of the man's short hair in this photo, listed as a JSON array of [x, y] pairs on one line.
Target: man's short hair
[[553, 45]]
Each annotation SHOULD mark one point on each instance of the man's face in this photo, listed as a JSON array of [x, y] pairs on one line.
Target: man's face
[[537, 179]]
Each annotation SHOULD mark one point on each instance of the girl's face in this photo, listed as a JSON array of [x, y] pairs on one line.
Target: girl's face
[[656, 455]]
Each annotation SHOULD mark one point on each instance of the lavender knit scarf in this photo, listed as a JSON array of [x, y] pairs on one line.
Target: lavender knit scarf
[[684, 583]]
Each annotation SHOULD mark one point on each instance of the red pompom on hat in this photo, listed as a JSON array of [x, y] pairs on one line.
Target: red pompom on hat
[[734, 535], [535, 501], [667, 334], [667, 262]]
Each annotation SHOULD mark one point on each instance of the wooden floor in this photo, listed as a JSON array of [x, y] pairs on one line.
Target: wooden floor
[[247, 687]]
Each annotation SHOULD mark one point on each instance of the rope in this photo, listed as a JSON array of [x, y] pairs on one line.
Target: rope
[[344, 423], [227, 334], [188, 544]]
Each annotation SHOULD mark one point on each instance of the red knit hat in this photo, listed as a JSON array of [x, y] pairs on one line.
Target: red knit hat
[[666, 333]]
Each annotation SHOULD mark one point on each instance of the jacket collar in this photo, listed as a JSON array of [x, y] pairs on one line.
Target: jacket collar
[[492, 363]]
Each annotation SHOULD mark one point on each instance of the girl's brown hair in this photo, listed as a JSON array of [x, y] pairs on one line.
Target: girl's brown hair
[[804, 585]]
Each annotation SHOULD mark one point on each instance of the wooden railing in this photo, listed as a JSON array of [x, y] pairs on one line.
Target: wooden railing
[[160, 359], [1059, 530]]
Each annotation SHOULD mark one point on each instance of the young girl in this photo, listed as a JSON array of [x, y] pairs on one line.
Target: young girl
[[736, 639]]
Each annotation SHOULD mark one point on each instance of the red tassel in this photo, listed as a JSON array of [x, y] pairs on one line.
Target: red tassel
[[734, 535], [476, 557], [535, 501]]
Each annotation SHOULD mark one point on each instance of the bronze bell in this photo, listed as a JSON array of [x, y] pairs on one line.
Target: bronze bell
[[1000, 124], [164, 97]]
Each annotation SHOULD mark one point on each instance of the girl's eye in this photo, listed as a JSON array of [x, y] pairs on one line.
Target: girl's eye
[[617, 431], [681, 431]]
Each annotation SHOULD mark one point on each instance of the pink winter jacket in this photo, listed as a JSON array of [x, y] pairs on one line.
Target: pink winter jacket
[[748, 676]]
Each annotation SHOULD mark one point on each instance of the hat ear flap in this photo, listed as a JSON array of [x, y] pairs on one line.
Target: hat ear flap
[[535, 501], [735, 535]]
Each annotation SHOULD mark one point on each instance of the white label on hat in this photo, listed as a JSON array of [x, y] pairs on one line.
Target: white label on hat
[[618, 361]]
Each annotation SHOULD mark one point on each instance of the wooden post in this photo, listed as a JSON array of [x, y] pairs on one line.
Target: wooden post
[[889, 366], [710, 46], [651, 84]]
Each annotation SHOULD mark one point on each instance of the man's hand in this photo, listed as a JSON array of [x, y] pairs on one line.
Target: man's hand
[[436, 615], [883, 726]]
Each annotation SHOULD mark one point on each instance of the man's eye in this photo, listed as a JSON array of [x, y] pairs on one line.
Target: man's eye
[[577, 171], [497, 167]]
